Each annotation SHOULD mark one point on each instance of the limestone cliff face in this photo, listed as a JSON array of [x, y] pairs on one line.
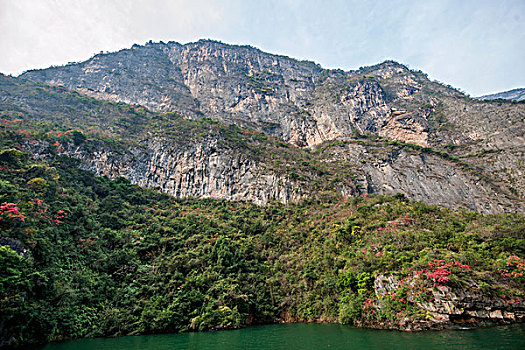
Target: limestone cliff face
[[490, 136], [307, 106], [210, 169], [203, 170], [424, 177], [296, 100]]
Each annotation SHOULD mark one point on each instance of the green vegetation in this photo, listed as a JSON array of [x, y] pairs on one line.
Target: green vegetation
[[83, 256]]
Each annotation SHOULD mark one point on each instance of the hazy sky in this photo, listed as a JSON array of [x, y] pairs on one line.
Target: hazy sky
[[475, 45]]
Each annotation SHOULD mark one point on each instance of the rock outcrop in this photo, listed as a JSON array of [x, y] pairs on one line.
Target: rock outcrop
[[425, 177], [210, 168], [204, 170], [445, 306]]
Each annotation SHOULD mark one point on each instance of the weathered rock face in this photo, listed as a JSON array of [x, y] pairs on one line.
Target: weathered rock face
[[489, 136], [307, 106], [189, 159], [470, 304], [424, 177], [447, 305], [210, 169], [204, 170], [295, 100]]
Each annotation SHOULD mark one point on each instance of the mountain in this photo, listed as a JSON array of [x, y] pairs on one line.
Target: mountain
[[513, 95], [307, 107], [84, 256], [291, 193], [296, 100], [205, 158]]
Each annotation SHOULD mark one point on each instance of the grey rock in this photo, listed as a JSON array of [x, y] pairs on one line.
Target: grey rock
[[309, 106], [466, 304]]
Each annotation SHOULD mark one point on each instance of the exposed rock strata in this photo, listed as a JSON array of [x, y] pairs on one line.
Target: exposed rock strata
[[209, 169], [424, 177], [447, 306], [204, 170], [307, 106], [295, 100]]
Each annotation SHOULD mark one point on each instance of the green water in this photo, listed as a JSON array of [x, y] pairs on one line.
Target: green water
[[310, 336]]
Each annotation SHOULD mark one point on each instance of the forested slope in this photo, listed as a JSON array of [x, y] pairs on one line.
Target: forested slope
[[85, 256]]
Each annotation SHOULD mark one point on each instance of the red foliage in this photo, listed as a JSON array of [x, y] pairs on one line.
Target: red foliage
[[11, 211], [40, 206], [369, 306], [9, 122], [60, 216], [515, 267], [24, 133], [65, 133], [438, 271]]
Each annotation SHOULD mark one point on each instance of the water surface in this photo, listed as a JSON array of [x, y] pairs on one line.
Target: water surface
[[310, 336]]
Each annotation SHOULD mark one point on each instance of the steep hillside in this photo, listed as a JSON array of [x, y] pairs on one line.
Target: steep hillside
[[296, 100], [206, 158], [83, 256], [304, 104], [291, 193]]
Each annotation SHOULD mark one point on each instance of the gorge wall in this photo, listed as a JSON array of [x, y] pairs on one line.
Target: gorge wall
[[308, 107]]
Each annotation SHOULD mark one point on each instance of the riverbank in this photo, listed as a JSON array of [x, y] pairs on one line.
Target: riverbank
[[455, 316]]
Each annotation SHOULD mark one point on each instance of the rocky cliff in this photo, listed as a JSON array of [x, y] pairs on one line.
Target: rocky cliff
[[296, 100], [462, 152], [212, 169], [443, 306], [204, 158], [204, 170]]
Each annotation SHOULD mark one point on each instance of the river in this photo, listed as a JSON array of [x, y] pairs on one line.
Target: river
[[309, 336]]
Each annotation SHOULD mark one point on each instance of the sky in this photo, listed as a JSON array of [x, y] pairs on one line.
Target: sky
[[477, 46]]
